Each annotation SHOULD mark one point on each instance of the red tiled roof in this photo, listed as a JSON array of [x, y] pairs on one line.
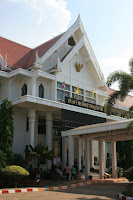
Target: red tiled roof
[[19, 56], [128, 102], [13, 50]]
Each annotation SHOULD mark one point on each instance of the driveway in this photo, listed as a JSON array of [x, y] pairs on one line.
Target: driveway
[[104, 191]]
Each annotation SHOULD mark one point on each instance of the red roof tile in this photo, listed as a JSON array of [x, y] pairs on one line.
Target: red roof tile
[[19, 56], [13, 50], [128, 102]]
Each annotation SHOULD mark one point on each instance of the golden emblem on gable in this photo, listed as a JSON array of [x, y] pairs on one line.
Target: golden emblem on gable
[[78, 67]]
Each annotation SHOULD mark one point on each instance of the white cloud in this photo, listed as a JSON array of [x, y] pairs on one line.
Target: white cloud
[[45, 19], [54, 9], [113, 63], [110, 64]]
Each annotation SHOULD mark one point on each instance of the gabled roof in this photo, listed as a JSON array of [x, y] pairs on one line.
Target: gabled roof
[[19, 56], [127, 103]]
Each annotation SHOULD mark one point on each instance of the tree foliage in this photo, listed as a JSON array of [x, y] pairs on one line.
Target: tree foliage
[[6, 126], [41, 152], [125, 84], [3, 159], [125, 154]]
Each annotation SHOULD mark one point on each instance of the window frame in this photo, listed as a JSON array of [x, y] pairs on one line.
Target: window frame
[[63, 90], [23, 92], [79, 95], [89, 97], [41, 96]]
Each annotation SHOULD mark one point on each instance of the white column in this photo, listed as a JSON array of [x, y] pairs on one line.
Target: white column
[[64, 152], [114, 159], [32, 117], [87, 157], [91, 154], [49, 133], [79, 153], [34, 87], [101, 159], [70, 152]]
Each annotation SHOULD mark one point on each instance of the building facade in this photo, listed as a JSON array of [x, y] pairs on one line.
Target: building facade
[[55, 87]]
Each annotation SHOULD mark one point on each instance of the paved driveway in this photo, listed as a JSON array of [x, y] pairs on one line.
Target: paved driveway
[[106, 191]]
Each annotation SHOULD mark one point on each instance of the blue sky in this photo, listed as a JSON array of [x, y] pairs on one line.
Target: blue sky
[[108, 24]]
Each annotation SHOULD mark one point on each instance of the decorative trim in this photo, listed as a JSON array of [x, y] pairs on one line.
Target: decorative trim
[[64, 187]]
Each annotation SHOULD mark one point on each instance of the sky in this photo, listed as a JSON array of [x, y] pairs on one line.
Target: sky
[[108, 24]]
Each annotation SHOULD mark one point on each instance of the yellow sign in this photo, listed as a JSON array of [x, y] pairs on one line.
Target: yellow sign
[[78, 67]]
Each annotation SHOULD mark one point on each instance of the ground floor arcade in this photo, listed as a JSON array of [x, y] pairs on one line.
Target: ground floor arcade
[[105, 132]]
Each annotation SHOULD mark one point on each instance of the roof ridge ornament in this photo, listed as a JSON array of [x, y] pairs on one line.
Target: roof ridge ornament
[[3, 63], [79, 20], [37, 64], [59, 63]]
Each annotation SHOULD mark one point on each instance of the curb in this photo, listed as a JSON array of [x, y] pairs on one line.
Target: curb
[[62, 187], [121, 196]]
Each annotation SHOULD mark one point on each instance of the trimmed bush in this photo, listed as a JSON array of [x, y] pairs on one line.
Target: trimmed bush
[[130, 174], [11, 175]]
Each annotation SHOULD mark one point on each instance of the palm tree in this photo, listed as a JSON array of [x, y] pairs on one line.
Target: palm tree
[[125, 84], [40, 152]]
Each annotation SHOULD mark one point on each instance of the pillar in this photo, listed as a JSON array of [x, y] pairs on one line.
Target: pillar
[[87, 157], [49, 135], [114, 159], [101, 159], [34, 86], [32, 117], [79, 153], [64, 152], [70, 152]]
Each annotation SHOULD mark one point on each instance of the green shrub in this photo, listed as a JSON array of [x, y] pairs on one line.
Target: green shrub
[[130, 174], [119, 172], [12, 175]]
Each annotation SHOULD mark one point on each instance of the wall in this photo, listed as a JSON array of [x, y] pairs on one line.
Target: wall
[[20, 115]]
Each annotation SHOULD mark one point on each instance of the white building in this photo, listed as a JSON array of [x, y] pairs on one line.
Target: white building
[[32, 79]]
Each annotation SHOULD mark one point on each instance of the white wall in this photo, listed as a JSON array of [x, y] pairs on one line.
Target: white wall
[[19, 130]]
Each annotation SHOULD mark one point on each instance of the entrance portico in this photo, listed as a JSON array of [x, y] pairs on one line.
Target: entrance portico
[[104, 132]]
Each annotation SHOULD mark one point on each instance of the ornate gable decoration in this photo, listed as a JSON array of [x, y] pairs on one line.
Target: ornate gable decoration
[[78, 67]]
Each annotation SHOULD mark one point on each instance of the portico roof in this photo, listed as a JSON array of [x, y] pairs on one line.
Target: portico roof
[[108, 131]]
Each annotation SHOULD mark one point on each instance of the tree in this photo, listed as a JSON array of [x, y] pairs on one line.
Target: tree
[[3, 159], [125, 84], [6, 126], [40, 152]]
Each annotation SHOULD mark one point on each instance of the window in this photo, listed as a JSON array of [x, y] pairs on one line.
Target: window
[[89, 97], [79, 96], [27, 124], [24, 90], [62, 92], [41, 125], [41, 91]]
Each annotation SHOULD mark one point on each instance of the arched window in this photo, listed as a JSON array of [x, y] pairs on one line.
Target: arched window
[[41, 91], [24, 90]]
